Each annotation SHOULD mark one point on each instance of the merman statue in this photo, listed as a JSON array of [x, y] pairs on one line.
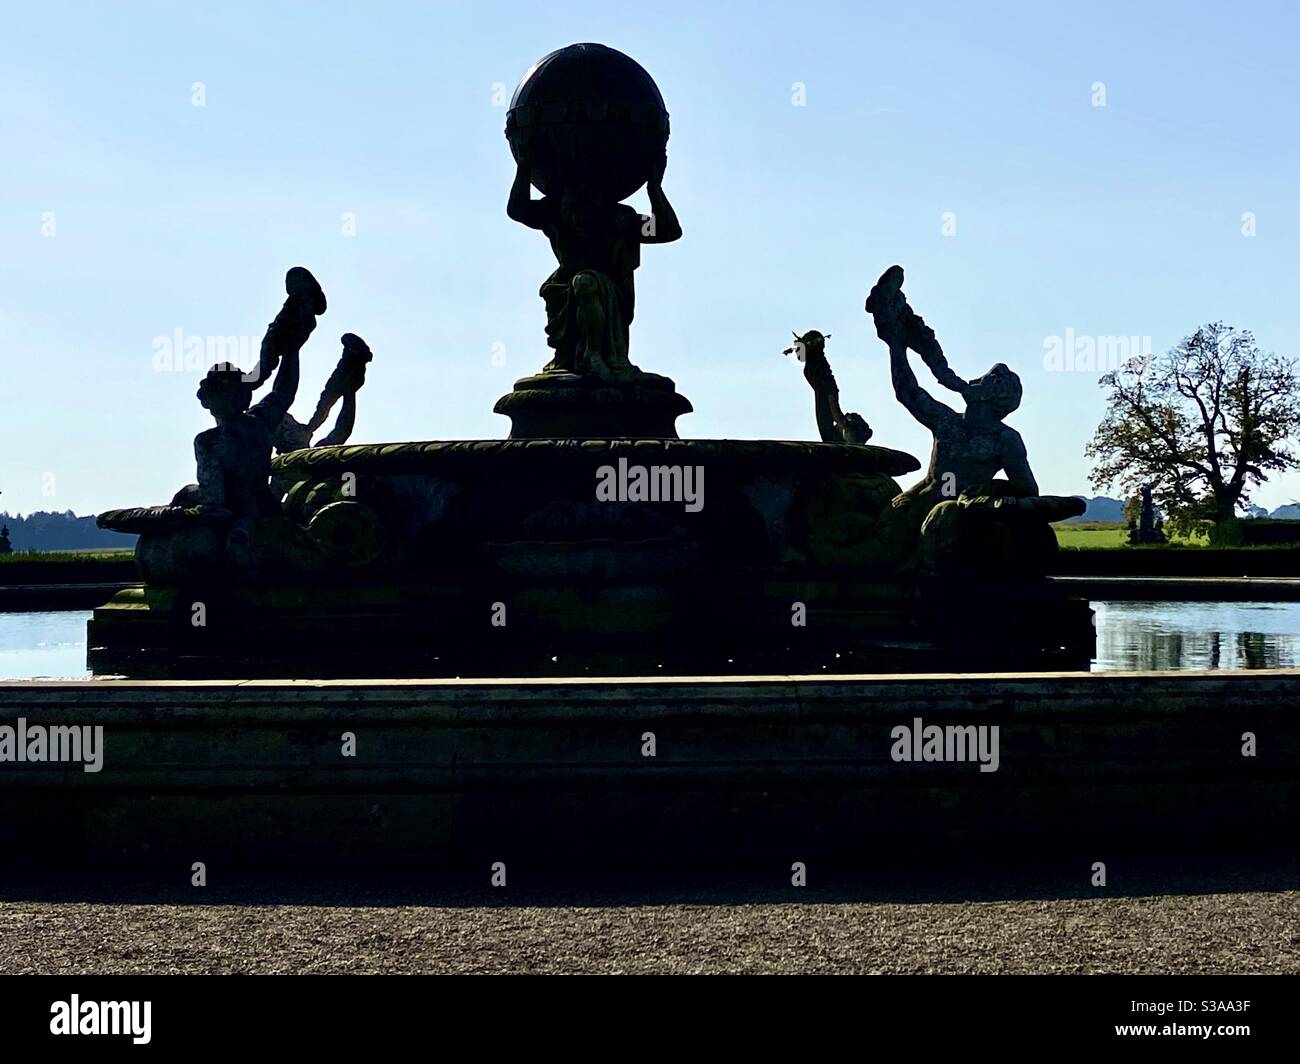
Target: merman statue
[[232, 522], [234, 457], [970, 448]]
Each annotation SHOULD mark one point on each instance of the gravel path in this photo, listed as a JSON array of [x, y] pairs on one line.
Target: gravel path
[[1199, 933]]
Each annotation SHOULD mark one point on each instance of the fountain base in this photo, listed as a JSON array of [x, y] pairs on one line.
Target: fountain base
[[509, 558]]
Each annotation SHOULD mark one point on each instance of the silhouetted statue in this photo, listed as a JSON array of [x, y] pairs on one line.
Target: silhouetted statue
[[969, 449], [590, 297], [833, 425], [234, 457], [232, 523], [587, 128], [1149, 527]]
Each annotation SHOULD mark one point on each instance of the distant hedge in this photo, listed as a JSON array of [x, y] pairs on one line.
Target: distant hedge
[[1177, 561], [68, 568], [1259, 532]]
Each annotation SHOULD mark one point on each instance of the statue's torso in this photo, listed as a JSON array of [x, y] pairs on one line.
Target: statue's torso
[[240, 448], [972, 453], [603, 238]]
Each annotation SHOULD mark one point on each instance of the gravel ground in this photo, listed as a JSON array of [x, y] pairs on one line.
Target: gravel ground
[[1193, 933]]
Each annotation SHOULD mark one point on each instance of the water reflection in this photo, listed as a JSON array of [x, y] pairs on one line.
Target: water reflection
[[43, 645], [1130, 636], [1197, 635]]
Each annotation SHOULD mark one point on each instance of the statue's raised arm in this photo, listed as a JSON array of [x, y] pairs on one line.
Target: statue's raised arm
[[662, 227], [283, 340], [897, 325], [521, 207], [961, 509]]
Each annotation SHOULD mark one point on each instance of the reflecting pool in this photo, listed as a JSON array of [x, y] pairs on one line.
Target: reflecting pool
[[1130, 636], [43, 645], [1196, 635]]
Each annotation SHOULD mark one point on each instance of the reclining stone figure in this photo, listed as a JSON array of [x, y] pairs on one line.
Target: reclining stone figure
[[217, 519], [234, 457]]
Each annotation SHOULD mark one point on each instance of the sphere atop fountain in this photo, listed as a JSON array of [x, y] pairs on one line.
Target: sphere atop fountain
[[587, 114]]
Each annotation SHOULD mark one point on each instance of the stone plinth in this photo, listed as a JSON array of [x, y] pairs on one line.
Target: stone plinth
[[567, 406]]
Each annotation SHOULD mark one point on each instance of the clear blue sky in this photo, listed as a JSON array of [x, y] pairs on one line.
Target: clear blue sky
[[1117, 220]]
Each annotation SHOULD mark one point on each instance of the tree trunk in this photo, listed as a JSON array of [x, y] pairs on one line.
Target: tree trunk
[[1225, 505]]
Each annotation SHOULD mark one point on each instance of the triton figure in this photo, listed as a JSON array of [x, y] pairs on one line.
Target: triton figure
[[234, 457], [971, 447], [959, 503]]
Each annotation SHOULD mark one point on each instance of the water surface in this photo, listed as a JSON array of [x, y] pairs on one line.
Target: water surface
[[45, 646], [1130, 636], [1196, 635]]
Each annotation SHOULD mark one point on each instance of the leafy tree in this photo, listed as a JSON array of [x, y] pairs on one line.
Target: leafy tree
[[1203, 424]]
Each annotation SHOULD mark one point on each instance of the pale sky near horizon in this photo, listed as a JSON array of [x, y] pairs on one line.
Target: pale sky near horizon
[[127, 213]]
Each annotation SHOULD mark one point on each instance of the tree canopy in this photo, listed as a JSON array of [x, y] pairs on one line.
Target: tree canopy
[[1203, 424]]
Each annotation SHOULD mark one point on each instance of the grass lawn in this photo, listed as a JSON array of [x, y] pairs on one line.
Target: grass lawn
[[1106, 535], [56, 557], [1080, 536]]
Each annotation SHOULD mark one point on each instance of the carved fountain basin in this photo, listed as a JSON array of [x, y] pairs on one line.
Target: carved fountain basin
[[573, 556]]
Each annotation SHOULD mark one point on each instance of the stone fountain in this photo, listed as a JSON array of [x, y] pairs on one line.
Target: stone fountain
[[594, 540]]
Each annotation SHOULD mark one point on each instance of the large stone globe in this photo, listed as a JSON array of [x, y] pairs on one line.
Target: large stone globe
[[588, 115]]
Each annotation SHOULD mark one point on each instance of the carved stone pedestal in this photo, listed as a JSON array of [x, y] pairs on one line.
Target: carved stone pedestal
[[565, 406]]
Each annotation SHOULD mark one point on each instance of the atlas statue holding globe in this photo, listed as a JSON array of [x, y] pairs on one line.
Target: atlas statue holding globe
[[588, 128]]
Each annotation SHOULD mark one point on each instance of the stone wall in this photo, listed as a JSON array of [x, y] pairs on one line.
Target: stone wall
[[766, 768]]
